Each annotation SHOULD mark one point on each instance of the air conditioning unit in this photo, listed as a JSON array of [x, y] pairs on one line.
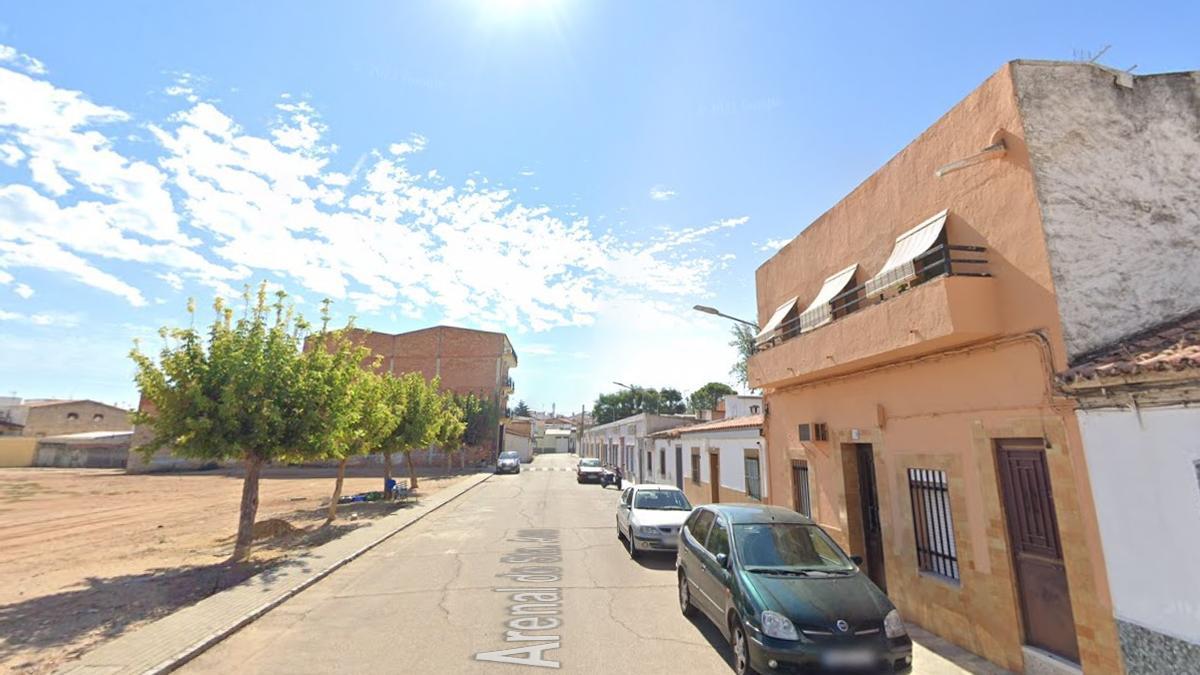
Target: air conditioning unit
[[814, 431]]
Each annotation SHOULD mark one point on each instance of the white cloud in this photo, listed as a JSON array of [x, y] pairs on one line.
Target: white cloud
[[219, 205], [63, 319], [23, 290], [772, 245], [23, 61], [661, 194]]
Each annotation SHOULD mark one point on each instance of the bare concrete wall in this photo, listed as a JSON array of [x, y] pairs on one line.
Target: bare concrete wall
[[1117, 171]]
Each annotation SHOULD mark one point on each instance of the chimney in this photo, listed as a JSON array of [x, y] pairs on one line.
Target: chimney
[[718, 412]]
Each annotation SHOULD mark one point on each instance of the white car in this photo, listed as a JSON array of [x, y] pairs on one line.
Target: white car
[[649, 517]]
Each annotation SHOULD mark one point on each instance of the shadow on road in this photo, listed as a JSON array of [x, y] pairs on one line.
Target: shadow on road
[[714, 637]]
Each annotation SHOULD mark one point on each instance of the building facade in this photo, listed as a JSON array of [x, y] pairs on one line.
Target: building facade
[[54, 417], [721, 461], [1139, 414], [627, 442], [911, 337]]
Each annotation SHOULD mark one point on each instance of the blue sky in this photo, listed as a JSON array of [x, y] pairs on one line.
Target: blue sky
[[577, 174]]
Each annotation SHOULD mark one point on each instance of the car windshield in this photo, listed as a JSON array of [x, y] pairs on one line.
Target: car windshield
[[788, 547], [591, 461], [661, 500], [509, 455]]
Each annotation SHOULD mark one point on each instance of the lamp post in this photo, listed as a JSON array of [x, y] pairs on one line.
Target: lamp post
[[715, 312]]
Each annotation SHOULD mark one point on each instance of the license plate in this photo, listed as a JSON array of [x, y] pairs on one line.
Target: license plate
[[848, 658], [671, 540]]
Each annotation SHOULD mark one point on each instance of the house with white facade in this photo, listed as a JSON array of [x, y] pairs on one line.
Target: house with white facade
[[627, 443], [721, 460], [1139, 415]]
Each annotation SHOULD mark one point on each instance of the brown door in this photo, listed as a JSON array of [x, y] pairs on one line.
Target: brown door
[[868, 497], [800, 496], [1037, 551], [714, 476]]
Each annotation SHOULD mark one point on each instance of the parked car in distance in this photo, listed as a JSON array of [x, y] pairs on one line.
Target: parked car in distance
[[588, 470], [649, 517], [509, 462], [785, 595]]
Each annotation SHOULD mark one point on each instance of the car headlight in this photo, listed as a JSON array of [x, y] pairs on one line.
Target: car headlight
[[893, 625], [778, 626], [647, 531]]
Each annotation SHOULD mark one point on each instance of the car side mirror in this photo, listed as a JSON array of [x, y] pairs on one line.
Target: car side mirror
[[856, 559], [723, 560]]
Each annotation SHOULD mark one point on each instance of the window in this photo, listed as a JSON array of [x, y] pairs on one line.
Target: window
[[701, 523], [662, 462], [72, 416], [718, 541], [97, 417], [753, 477], [696, 465], [627, 496], [933, 526], [805, 432], [753, 410]]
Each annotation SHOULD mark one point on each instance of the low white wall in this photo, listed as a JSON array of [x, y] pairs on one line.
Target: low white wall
[[519, 444], [1146, 485]]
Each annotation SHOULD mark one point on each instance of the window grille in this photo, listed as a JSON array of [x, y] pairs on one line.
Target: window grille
[[933, 526]]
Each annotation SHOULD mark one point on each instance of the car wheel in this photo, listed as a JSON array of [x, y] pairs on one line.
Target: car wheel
[[633, 552], [685, 597], [741, 650]]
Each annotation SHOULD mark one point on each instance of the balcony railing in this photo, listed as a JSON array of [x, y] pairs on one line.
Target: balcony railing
[[508, 384], [938, 261]]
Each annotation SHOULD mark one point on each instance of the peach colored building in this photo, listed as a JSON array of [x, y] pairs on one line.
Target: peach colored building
[[909, 401]]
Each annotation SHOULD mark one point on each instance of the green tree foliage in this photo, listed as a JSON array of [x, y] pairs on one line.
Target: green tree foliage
[[626, 402], [521, 410], [415, 405], [706, 397], [451, 426], [243, 390], [743, 341], [367, 423], [482, 417]]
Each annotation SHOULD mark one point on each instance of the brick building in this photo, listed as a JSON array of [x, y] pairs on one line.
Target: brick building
[[53, 417]]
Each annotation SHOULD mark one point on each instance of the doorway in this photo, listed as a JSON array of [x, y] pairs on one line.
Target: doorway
[[863, 460], [1036, 548], [714, 477], [679, 466], [801, 498]]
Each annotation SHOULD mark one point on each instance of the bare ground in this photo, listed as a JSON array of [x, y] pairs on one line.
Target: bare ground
[[86, 554]]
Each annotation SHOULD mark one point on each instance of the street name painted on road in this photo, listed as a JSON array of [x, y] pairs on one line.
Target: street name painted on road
[[534, 608]]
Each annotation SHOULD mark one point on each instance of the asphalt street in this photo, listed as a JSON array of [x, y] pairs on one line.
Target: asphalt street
[[528, 562]]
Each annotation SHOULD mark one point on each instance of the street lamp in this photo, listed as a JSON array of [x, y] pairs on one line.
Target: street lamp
[[715, 312]]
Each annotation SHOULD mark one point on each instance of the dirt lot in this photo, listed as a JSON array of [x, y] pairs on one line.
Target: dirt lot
[[86, 554]]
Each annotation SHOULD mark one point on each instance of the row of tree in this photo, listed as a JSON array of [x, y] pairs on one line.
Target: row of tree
[[266, 387], [666, 401]]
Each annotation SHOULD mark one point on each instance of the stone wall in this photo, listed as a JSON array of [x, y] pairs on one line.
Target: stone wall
[[1116, 169]]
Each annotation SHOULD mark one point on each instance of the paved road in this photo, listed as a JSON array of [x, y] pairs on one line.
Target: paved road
[[429, 599]]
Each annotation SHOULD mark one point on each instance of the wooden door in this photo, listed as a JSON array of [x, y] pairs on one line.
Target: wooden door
[[868, 497], [714, 477], [1036, 548], [679, 466]]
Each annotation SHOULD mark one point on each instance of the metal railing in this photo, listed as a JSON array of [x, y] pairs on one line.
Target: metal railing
[[933, 525], [938, 261]]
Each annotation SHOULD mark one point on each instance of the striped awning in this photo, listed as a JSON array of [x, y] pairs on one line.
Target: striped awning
[[909, 246], [773, 326], [820, 311]]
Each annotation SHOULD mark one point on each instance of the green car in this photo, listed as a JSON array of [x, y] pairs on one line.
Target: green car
[[785, 595]]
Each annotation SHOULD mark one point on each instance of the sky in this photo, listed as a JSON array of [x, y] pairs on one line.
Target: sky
[[575, 173]]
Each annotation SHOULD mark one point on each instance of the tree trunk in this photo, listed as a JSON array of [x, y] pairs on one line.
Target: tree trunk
[[337, 491], [462, 457], [449, 459], [248, 510], [387, 467], [412, 471]]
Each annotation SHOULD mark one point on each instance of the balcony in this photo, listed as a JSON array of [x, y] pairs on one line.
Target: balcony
[[507, 385], [933, 304]]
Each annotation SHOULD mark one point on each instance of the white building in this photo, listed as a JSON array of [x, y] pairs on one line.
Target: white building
[[626, 442], [723, 460], [1140, 423]]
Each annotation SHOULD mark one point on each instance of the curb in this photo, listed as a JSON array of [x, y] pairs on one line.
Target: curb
[[197, 647]]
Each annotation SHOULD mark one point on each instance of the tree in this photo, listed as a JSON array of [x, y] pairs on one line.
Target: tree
[[366, 425], [482, 418], [706, 397], [521, 410], [414, 405], [626, 402], [451, 426], [242, 391], [671, 401], [743, 341]]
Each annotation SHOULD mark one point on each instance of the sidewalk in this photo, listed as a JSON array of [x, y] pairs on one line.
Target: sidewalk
[[166, 644]]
